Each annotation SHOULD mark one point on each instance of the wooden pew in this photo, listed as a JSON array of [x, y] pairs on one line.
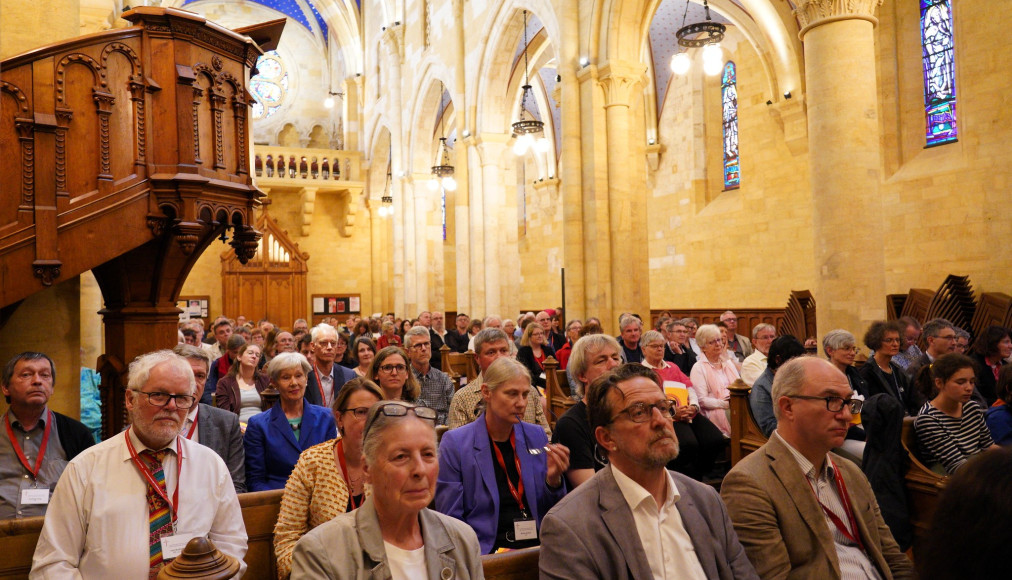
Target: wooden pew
[[557, 391], [459, 366], [17, 544], [515, 565], [746, 436]]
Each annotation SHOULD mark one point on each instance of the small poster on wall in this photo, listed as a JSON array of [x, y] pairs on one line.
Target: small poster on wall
[[193, 307], [325, 305]]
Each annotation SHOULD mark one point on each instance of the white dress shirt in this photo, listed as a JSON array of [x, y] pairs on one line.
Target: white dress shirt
[[191, 417], [753, 366], [695, 347], [668, 546], [97, 523]]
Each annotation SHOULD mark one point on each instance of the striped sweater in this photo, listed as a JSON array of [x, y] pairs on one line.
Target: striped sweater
[[951, 441]]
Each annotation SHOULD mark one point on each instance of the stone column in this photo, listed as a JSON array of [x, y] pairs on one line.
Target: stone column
[[627, 217], [845, 162], [491, 148], [27, 24], [410, 243], [462, 225], [476, 240], [571, 164]]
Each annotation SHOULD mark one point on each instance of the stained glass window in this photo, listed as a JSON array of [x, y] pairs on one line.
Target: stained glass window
[[939, 71], [269, 86], [729, 109]]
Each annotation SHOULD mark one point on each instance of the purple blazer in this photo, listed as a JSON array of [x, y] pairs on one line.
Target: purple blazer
[[466, 488]]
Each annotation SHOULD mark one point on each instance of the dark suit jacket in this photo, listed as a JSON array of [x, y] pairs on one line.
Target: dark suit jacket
[[219, 430], [271, 447], [341, 375], [456, 341], [591, 533], [436, 358], [878, 383], [782, 527], [525, 355]]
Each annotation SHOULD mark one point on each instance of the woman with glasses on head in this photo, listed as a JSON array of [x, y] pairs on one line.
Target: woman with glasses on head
[[329, 478], [711, 376], [534, 349], [275, 438], [950, 427], [881, 373], [390, 371], [364, 351], [393, 534], [239, 391], [489, 476]]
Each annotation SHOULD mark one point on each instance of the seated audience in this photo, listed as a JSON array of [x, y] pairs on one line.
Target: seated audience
[[736, 343], [755, 363], [801, 511], [881, 373], [32, 461], [343, 355], [593, 355], [698, 439], [950, 427], [573, 328], [940, 336], [239, 391], [220, 367], [329, 478], [110, 515], [962, 341], [840, 347], [489, 478], [210, 426], [457, 337], [677, 349], [467, 403], [760, 398], [285, 341], [365, 350], [390, 371], [693, 325], [327, 376], [389, 337], [999, 416], [908, 351], [711, 376], [534, 349], [305, 348], [630, 327], [634, 518], [989, 352], [275, 438], [488, 322], [435, 388], [972, 523], [393, 533]]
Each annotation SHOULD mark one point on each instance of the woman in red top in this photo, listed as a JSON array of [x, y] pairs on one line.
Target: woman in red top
[[389, 337]]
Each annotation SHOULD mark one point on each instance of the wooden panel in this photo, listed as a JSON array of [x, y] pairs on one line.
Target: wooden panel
[[82, 134], [748, 318], [280, 298], [259, 515], [513, 565], [994, 308], [13, 105]]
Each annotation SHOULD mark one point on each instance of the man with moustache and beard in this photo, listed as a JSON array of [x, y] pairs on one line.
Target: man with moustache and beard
[[125, 507], [634, 518]]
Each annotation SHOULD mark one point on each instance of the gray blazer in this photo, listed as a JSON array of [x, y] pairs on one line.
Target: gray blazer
[[350, 546], [591, 533], [219, 430]]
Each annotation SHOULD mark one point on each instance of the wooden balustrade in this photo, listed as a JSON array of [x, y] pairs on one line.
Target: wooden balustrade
[[294, 166]]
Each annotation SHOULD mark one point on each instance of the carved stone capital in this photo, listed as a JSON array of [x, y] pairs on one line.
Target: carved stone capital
[[392, 40], [621, 81], [812, 13]]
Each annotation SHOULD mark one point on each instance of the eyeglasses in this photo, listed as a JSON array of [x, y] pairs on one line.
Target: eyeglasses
[[948, 337], [393, 368], [835, 404], [891, 340], [162, 399], [421, 345], [400, 410], [359, 412], [643, 412]]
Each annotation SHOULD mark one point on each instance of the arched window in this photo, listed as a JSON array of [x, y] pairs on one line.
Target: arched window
[[729, 109], [939, 71], [269, 86]]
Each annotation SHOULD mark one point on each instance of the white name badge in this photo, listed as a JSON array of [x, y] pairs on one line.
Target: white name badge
[[525, 530], [172, 546], [35, 496], [542, 376]]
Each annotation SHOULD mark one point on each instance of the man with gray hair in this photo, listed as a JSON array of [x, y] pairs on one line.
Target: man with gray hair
[[326, 378], [736, 343], [799, 510], [491, 344], [631, 328], [489, 322], [940, 335], [129, 504], [436, 386], [755, 363]]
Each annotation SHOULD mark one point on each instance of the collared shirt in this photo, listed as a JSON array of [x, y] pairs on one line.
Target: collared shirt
[[436, 392], [753, 366], [190, 418], [668, 546], [327, 382], [97, 525], [695, 347], [14, 478], [854, 562]]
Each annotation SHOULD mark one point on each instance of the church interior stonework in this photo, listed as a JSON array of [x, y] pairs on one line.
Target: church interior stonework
[[851, 150]]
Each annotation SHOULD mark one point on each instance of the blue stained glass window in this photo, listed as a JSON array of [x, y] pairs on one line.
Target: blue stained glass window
[[269, 86], [729, 110], [939, 71]]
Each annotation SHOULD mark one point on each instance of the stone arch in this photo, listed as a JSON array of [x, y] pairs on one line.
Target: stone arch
[[424, 111]]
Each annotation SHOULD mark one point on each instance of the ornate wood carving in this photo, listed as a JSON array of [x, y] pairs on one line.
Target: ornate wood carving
[[46, 270], [104, 101]]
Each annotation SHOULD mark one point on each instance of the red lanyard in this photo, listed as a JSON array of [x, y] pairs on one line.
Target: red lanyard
[[150, 477], [517, 491], [841, 488], [319, 383], [42, 448], [193, 426], [347, 476]]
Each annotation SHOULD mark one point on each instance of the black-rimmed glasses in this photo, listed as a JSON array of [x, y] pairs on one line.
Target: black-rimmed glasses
[[401, 410], [643, 412], [162, 399], [835, 404], [359, 412]]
